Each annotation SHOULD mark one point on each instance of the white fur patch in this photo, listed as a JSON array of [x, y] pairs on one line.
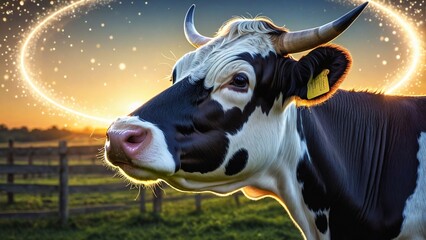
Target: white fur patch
[[263, 145], [414, 224], [275, 171]]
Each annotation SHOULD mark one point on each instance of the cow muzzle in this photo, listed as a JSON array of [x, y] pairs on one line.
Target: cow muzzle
[[123, 145], [139, 149]]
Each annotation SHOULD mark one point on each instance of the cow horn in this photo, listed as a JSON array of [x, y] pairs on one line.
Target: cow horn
[[298, 41], [191, 33]]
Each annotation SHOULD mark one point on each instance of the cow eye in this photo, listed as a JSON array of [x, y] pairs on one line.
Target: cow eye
[[239, 82]]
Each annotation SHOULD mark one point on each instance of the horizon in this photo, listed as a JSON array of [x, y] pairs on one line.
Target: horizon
[[83, 129], [106, 60]]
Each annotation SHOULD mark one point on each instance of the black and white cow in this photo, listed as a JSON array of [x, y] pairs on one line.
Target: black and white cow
[[244, 115]]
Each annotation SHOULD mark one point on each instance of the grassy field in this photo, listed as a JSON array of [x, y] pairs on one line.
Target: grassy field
[[221, 218]]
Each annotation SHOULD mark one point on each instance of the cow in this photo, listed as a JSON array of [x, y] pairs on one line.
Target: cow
[[244, 115]]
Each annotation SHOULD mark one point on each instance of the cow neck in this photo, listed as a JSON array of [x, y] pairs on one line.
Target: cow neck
[[279, 180]]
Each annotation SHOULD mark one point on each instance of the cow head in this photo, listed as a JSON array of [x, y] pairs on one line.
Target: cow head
[[224, 120]]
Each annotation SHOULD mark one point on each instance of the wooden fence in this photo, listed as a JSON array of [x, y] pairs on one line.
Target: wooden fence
[[63, 169]]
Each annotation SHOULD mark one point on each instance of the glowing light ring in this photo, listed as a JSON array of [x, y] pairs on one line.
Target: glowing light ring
[[410, 32], [28, 79], [414, 43]]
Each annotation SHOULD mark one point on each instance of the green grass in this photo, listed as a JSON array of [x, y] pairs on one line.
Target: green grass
[[220, 219]]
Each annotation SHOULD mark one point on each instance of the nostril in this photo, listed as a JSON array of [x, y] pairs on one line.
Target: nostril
[[137, 138], [135, 142]]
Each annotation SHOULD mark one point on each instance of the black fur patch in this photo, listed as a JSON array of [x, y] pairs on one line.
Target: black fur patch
[[314, 191], [321, 223], [237, 163]]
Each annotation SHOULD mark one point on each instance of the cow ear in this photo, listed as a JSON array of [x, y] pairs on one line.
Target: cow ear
[[315, 77]]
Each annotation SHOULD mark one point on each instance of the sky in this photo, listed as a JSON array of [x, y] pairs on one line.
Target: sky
[[107, 58]]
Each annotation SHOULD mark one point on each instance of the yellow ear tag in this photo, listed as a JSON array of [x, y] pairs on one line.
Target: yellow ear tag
[[319, 85]]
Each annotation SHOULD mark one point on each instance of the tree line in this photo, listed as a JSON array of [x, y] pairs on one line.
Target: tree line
[[23, 134]]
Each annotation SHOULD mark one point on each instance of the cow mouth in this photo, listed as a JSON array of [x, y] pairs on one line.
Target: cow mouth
[[134, 172], [120, 162]]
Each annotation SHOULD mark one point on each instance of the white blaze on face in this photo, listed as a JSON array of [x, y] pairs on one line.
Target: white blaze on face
[[414, 224]]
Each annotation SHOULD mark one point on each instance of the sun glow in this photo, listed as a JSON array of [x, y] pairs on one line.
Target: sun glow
[[414, 44], [133, 106]]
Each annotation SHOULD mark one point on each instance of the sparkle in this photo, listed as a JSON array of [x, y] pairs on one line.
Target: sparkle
[[414, 43], [122, 66], [23, 57]]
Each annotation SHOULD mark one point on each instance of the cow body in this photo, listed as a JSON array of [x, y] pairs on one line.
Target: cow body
[[364, 158], [241, 115]]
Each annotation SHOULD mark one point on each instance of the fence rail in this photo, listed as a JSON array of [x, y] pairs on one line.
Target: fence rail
[[63, 189], [45, 151], [37, 169]]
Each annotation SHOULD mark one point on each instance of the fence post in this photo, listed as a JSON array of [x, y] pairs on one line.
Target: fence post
[[198, 202], [142, 206], [10, 176], [237, 199], [157, 199], [30, 161], [63, 183]]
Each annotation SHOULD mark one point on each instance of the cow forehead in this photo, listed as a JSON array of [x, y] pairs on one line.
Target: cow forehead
[[220, 52]]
